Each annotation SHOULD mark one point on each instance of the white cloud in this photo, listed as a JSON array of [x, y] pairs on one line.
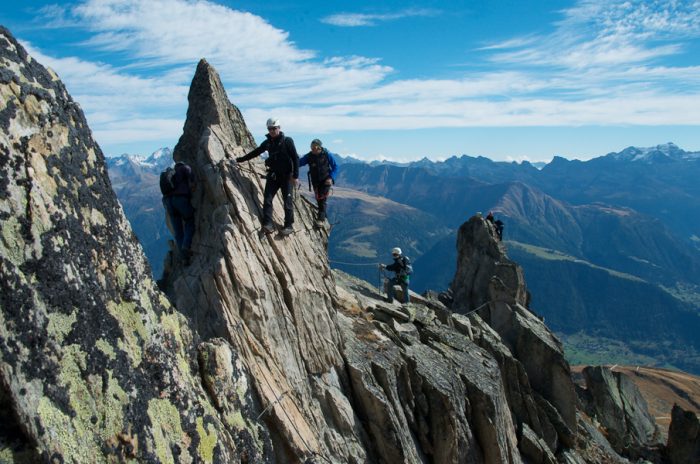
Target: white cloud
[[599, 66], [143, 130], [372, 19], [604, 33]]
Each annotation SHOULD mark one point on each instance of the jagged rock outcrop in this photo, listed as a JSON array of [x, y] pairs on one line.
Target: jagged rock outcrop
[[266, 354], [425, 390], [95, 364], [615, 402], [683, 436], [270, 297], [492, 286]]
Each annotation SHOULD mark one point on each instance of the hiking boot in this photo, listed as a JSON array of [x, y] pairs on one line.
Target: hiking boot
[[268, 228], [320, 223], [288, 230]]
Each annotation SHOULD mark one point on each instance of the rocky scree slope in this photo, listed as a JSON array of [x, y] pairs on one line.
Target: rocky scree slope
[[267, 355]]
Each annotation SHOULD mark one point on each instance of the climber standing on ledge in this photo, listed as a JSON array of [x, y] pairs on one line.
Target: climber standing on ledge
[[403, 269], [177, 184], [322, 172], [282, 166]]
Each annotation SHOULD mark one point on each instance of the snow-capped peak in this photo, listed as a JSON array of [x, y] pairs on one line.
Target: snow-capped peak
[[664, 152], [161, 157]]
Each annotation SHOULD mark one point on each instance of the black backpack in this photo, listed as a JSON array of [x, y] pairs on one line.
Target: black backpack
[[407, 267], [167, 181], [280, 160]]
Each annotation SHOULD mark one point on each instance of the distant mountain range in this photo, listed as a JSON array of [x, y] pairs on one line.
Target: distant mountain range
[[135, 181], [610, 246]]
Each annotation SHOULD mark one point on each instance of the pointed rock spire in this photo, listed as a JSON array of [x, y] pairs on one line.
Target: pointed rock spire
[[271, 297], [491, 285], [210, 110]]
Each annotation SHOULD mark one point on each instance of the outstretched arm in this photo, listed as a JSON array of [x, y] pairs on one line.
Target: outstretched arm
[[257, 152]]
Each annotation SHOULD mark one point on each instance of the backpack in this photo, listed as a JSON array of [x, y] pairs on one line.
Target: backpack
[[408, 268], [279, 160], [167, 181]]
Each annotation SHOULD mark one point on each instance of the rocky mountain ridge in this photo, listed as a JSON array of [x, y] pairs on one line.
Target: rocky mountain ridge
[[604, 242], [259, 352]]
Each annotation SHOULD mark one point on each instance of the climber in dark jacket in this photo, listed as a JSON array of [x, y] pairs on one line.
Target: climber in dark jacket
[[402, 269], [499, 229], [322, 172], [178, 204], [282, 173]]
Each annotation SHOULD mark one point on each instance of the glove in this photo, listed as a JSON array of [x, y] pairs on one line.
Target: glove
[[329, 181]]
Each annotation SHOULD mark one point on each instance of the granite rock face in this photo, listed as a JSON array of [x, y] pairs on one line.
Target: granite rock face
[[492, 287], [616, 403], [95, 364], [257, 351], [271, 297], [683, 436]]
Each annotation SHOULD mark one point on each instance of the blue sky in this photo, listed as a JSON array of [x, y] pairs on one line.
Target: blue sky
[[506, 79]]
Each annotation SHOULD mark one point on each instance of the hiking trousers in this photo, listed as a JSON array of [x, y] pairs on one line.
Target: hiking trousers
[[321, 191], [272, 185], [404, 288], [181, 214]]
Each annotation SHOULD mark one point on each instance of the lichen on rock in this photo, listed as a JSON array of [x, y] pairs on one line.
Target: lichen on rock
[[82, 351]]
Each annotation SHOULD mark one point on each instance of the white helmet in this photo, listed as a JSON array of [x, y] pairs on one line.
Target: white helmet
[[396, 251], [273, 122]]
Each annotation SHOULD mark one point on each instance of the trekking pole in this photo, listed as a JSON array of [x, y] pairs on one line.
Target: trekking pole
[[382, 280]]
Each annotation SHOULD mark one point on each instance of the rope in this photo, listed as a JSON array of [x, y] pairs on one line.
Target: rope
[[481, 306], [352, 264], [308, 448], [245, 169]]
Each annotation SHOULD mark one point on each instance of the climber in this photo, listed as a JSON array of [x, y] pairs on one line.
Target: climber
[[489, 217], [322, 172], [177, 185], [499, 229], [282, 166], [403, 269]]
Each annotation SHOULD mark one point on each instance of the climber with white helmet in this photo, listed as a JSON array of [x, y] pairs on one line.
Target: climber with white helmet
[[282, 166], [402, 269]]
